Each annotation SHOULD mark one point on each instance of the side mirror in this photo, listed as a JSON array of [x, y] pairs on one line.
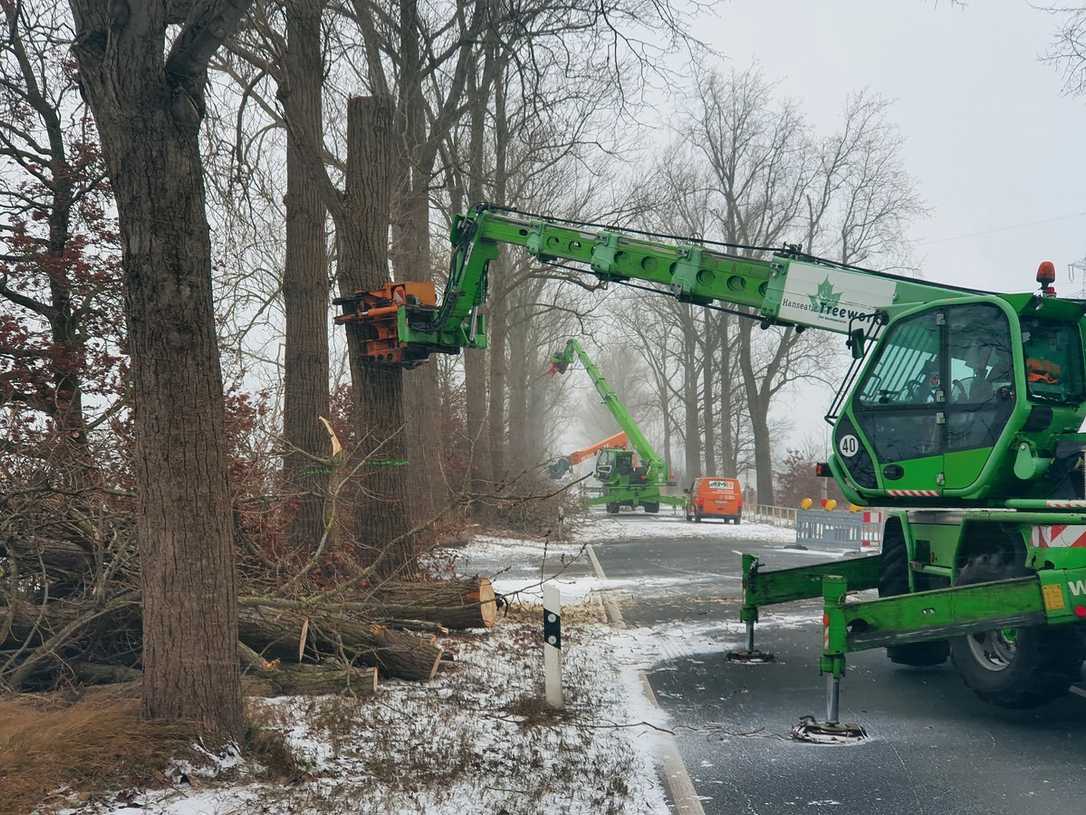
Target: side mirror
[[855, 343]]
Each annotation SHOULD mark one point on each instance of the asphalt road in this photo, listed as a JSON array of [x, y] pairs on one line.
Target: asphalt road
[[933, 747]]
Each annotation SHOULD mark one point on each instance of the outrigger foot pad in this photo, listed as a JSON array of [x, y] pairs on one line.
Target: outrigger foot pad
[[815, 732], [747, 657]]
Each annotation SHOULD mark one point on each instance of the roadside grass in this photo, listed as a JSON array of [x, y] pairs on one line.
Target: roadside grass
[[51, 749]]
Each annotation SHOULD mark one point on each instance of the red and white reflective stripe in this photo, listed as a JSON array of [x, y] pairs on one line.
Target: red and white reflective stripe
[[871, 526], [1059, 536], [1069, 504], [913, 493]]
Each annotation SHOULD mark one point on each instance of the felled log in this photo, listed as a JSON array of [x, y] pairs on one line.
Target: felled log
[[284, 632], [56, 556], [457, 604], [21, 618], [452, 604], [303, 679], [92, 673]]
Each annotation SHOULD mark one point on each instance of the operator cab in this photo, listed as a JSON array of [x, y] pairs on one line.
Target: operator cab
[[965, 398], [615, 462]]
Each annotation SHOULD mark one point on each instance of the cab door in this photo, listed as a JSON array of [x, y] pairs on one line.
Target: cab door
[[900, 407], [980, 389]]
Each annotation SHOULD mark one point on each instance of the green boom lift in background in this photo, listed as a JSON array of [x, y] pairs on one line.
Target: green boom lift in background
[[626, 482], [960, 413]]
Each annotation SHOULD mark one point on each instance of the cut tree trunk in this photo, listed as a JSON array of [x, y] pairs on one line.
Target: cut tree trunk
[[378, 462], [453, 604], [282, 632], [308, 680], [460, 603]]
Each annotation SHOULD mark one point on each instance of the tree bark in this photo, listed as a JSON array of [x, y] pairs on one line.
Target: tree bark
[[475, 358], [499, 298], [305, 281], [692, 435], [411, 260], [148, 111], [377, 463], [729, 464], [758, 407], [518, 391], [278, 631], [708, 396]]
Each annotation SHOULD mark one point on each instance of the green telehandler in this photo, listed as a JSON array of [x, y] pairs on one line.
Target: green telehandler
[[627, 481], [959, 413]]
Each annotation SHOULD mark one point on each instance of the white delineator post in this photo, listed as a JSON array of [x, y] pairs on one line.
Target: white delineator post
[[552, 645]]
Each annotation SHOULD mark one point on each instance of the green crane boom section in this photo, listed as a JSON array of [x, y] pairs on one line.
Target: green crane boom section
[[786, 288], [650, 459]]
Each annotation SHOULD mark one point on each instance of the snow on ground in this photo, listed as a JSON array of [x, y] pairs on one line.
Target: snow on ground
[[477, 739], [640, 525]]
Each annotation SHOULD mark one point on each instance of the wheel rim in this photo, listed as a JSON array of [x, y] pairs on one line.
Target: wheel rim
[[994, 650]]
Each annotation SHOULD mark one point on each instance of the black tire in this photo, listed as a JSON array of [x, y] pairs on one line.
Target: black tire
[[1034, 666], [652, 508], [612, 509], [697, 517], [893, 582]]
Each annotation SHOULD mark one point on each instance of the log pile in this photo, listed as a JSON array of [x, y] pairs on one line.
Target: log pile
[[70, 611]]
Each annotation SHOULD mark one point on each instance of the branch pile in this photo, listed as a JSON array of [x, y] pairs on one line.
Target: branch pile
[[70, 607]]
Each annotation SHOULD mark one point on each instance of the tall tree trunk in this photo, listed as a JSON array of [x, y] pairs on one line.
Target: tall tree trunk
[[692, 435], [518, 391], [758, 407], [305, 280], [148, 112], [475, 358], [728, 459], [377, 464], [499, 298], [536, 416], [497, 341], [707, 394], [411, 260]]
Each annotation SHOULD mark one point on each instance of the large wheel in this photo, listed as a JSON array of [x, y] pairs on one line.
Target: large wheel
[[612, 509], [894, 581], [653, 508], [1015, 667]]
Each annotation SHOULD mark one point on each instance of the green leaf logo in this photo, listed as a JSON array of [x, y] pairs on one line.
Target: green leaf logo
[[826, 298]]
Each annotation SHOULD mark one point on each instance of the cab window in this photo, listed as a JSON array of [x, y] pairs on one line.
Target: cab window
[[903, 390], [981, 392], [908, 369], [1053, 354]]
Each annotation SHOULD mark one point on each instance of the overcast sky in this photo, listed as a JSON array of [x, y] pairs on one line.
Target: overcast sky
[[996, 148]]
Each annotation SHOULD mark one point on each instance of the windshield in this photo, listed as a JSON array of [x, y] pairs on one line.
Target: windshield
[[1053, 353]]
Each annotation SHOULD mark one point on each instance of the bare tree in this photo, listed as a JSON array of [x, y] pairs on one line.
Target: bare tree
[[147, 95], [1068, 50]]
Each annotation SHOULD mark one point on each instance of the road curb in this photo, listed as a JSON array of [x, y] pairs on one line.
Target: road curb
[[676, 777]]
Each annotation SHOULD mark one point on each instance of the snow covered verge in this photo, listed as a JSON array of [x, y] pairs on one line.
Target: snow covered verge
[[639, 525], [478, 738]]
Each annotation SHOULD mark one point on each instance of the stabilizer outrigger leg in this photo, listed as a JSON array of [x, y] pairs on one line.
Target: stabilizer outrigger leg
[[832, 664], [749, 615]]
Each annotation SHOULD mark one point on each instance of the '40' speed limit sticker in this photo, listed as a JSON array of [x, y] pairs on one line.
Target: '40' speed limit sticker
[[848, 446]]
